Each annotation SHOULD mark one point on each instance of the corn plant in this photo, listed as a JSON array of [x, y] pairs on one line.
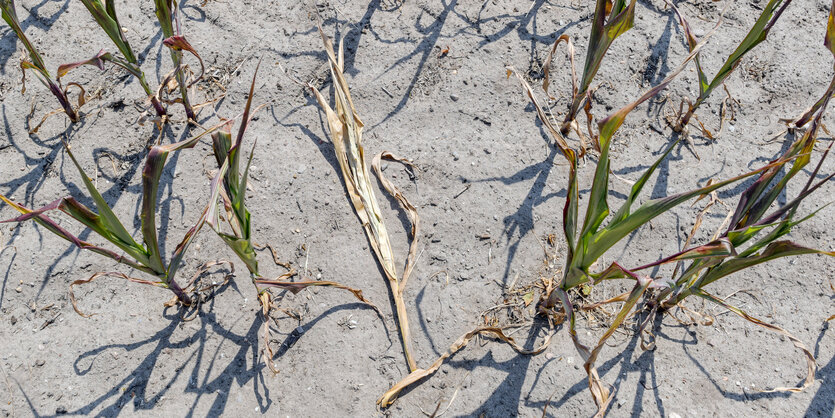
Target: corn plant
[[167, 12], [105, 16], [36, 63], [145, 257], [752, 223], [611, 19], [345, 128], [239, 220], [721, 257], [758, 33]]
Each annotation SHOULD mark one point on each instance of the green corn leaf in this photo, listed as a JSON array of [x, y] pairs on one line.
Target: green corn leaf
[[615, 231], [7, 9], [208, 212], [608, 126], [154, 164], [238, 198], [755, 208], [623, 212], [603, 33], [163, 11], [771, 12], [109, 220], [743, 235], [243, 249], [239, 201], [690, 274], [773, 251], [720, 248], [105, 16], [598, 207], [40, 217], [221, 143], [99, 225]]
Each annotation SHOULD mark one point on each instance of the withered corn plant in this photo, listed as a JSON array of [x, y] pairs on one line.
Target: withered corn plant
[[757, 34], [167, 12], [235, 215], [345, 129], [611, 19], [105, 16], [145, 257], [36, 63]]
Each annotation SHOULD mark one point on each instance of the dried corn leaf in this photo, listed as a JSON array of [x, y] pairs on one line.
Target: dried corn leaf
[[811, 366], [346, 135], [389, 397]]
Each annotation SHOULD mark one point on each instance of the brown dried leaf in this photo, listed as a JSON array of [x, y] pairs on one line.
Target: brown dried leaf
[[389, 397], [105, 274]]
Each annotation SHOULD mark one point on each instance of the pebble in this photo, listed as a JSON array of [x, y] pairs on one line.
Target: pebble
[[39, 362], [455, 156], [454, 97], [549, 356]]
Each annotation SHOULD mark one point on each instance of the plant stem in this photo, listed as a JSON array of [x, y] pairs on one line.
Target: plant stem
[[403, 326], [178, 291], [63, 100]]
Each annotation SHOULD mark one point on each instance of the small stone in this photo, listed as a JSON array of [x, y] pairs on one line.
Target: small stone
[[738, 383], [18, 289], [13, 319], [60, 410], [39, 362], [455, 156], [454, 97], [549, 356]]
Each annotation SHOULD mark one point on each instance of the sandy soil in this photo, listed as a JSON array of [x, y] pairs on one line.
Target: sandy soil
[[489, 191]]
